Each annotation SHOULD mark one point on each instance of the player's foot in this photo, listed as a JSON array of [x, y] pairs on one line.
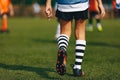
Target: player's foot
[[99, 28], [89, 28], [5, 31], [77, 72], [61, 61]]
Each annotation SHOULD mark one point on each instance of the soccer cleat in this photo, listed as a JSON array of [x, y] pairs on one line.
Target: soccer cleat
[[99, 28], [77, 72], [61, 62], [6, 31]]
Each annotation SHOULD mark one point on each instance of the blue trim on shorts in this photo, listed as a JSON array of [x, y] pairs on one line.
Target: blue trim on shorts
[[67, 2]]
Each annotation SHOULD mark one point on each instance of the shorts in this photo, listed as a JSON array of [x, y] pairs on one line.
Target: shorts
[[67, 16], [7, 13], [93, 13]]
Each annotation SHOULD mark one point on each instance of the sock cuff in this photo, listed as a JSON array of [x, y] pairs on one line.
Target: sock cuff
[[81, 42], [64, 35]]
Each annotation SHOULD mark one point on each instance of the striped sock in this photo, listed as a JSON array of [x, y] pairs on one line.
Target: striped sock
[[63, 41], [79, 53]]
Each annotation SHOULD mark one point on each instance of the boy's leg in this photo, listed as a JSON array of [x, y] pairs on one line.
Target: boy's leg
[[99, 26], [4, 23], [80, 47], [65, 27], [90, 22], [63, 40], [80, 29]]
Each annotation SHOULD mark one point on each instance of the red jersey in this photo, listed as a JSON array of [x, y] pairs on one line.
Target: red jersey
[[93, 5], [114, 4], [4, 6]]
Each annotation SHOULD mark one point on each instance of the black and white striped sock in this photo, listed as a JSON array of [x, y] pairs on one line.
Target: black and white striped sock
[[79, 53], [63, 41]]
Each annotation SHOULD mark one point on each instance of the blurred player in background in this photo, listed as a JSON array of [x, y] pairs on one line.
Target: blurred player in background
[[67, 10], [118, 5], [36, 8], [116, 8], [6, 8], [94, 13]]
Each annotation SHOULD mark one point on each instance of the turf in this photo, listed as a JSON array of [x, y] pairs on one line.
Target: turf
[[29, 51]]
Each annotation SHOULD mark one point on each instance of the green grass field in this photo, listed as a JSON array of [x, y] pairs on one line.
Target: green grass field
[[29, 51]]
